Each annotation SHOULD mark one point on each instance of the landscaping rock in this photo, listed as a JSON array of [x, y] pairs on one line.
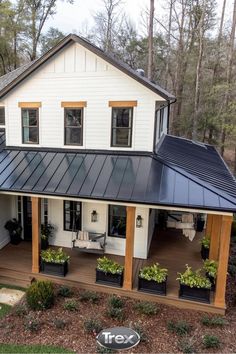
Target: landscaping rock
[[10, 296]]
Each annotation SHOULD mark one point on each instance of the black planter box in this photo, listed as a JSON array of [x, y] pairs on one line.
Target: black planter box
[[151, 286], [200, 225], [44, 244], [109, 278], [213, 282], [195, 294], [205, 253], [58, 269]]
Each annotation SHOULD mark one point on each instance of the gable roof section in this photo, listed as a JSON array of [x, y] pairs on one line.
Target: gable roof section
[[11, 80], [199, 160]]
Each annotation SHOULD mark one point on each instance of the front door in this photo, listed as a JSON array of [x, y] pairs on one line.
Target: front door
[[27, 218]]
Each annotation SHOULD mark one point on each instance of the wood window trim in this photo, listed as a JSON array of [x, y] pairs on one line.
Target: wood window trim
[[22, 127], [82, 126], [29, 104], [74, 104], [122, 104], [109, 219], [64, 214], [131, 130]]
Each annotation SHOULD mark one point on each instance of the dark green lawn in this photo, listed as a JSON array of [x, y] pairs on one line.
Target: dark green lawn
[[4, 309], [13, 348]]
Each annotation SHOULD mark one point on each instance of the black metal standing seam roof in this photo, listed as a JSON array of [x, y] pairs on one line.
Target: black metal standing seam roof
[[141, 178]]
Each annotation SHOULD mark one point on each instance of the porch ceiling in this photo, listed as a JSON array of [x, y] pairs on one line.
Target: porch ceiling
[[112, 176]]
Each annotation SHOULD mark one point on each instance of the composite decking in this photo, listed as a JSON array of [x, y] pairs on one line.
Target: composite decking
[[170, 248]]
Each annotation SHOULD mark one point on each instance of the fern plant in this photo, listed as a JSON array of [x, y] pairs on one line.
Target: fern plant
[[205, 242], [154, 272], [194, 279], [54, 256]]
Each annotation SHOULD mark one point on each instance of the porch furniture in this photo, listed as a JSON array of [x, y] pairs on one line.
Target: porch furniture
[[90, 242]]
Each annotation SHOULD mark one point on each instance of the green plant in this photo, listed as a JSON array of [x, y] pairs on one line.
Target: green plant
[[54, 256], [109, 266], [205, 242], [215, 321], [154, 272], [89, 296], [71, 305], [179, 327], [103, 350], [137, 327], [146, 308], [13, 226], [115, 313], [186, 346], [20, 310], [115, 301], [46, 231], [93, 325], [210, 266], [32, 324], [194, 279], [65, 291], [232, 270], [59, 323], [40, 295], [211, 341]]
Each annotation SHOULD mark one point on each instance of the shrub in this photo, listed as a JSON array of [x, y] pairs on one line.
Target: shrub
[[54, 256], [232, 270], [93, 325], [186, 346], [103, 350], [210, 266], [194, 279], [153, 272], [71, 305], [40, 295], [211, 341], [137, 327], [32, 324], [179, 327], [20, 310], [46, 231], [115, 301], [205, 242], [59, 323], [89, 296], [65, 291], [108, 266], [215, 321], [146, 308], [115, 313]]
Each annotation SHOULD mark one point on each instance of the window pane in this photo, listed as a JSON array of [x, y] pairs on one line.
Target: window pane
[[73, 117], [122, 117], [2, 115], [72, 215], [29, 117], [30, 125], [121, 137], [121, 126], [117, 220], [73, 136], [30, 135]]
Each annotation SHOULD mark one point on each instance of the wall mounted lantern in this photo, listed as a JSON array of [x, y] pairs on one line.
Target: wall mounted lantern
[[94, 216], [139, 221]]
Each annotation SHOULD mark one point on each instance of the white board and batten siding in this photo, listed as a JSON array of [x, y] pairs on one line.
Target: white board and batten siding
[[114, 245], [7, 207], [76, 74]]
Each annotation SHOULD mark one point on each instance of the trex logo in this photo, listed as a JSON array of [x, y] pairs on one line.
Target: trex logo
[[118, 338]]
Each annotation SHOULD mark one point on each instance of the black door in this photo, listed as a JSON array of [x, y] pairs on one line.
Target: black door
[[27, 218]]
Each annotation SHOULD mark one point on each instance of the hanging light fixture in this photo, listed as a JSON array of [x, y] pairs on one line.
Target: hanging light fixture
[[139, 221], [94, 216]]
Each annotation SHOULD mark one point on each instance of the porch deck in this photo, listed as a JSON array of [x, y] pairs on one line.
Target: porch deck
[[171, 249]]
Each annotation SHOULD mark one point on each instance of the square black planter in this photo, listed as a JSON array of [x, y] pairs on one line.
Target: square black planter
[[58, 269], [205, 253], [151, 286], [213, 282], [195, 294], [109, 278]]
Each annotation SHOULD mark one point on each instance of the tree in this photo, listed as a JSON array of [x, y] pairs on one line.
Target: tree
[[150, 40], [50, 39]]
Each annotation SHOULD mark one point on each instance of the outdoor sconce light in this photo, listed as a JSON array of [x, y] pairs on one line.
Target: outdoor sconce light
[[94, 216], [139, 221]]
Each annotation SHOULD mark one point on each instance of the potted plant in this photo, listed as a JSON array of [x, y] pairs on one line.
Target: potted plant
[[54, 262], [194, 285], [210, 266], [205, 242], [46, 232], [200, 222], [109, 272], [14, 228], [152, 279]]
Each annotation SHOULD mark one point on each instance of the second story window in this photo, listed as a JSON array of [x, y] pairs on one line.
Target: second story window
[[73, 126], [30, 125], [2, 115], [121, 134]]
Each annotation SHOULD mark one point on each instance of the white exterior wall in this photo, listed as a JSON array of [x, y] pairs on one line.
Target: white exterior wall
[[75, 74], [7, 207], [114, 245]]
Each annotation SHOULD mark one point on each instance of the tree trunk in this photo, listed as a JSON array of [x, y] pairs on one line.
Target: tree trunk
[[150, 41], [168, 45], [219, 39]]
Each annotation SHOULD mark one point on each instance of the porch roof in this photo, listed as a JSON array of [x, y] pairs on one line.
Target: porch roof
[[112, 176]]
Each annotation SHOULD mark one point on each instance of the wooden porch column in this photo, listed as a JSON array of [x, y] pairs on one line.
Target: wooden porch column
[[215, 237], [209, 224], [36, 223], [129, 248], [223, 260]]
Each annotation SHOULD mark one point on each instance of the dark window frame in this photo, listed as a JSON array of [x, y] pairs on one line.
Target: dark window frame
[[82, 126], [30, 126], [4, 115], [161, 122], [131, 128], [109, 219], [71, 213]]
